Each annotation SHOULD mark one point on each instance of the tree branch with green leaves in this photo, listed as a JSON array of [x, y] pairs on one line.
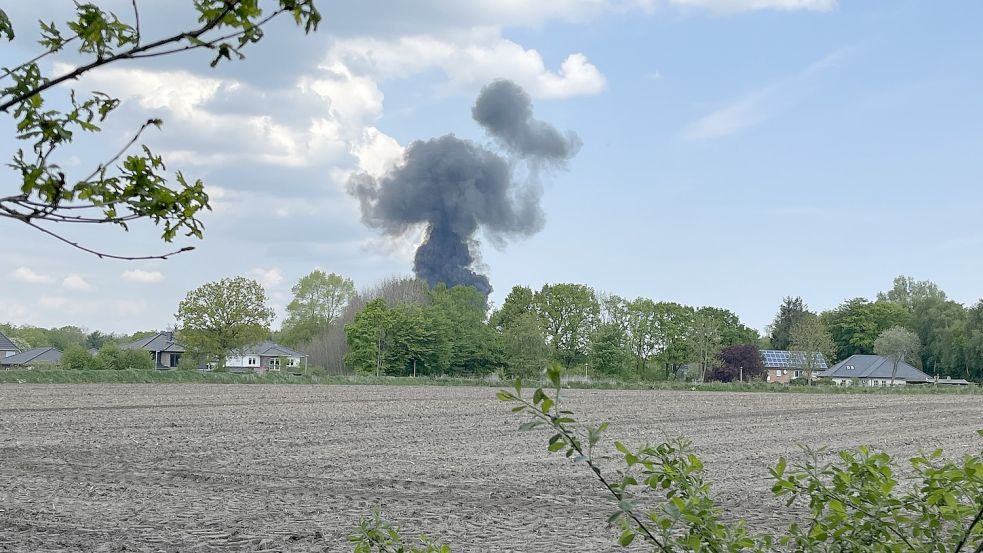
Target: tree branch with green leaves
[[127, 186]]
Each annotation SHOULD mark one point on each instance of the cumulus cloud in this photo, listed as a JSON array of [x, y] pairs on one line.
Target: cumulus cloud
[[469, 61], [139, 275], [26, 274], [76, 282], [269, 278]]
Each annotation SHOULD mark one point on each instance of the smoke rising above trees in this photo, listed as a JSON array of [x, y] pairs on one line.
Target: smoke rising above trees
[[457, 187]]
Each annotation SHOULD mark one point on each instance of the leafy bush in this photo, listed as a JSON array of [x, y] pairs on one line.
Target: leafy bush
[[77, 358], [855, 503]]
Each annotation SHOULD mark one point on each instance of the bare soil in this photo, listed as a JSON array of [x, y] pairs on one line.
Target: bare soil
[[181, 468]]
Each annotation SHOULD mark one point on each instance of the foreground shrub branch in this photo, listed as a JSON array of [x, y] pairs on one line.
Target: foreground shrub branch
[[855, 501]]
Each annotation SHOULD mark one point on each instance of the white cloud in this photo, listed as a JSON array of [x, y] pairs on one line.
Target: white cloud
[[269, 278], [88, 308], [25, 274], [469, 60], [760, 105], [76, 282], [139, 275], [730, 6]]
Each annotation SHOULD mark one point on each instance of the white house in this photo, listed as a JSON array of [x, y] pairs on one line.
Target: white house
[[263, 357]]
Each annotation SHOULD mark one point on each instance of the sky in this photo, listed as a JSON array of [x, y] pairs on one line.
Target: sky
[[733, 151]]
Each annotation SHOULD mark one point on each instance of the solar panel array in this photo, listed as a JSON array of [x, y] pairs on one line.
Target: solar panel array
[[780, 359]]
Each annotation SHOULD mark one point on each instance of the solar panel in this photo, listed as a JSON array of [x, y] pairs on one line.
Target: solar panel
[[780, 359]]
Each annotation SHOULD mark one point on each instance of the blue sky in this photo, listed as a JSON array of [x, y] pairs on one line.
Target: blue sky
[[734, 151]]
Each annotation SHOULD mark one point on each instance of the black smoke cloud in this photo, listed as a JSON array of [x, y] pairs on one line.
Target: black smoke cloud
[[457, 187]]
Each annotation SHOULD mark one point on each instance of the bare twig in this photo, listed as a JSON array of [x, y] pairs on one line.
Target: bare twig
[[104, 255], [136, 17]]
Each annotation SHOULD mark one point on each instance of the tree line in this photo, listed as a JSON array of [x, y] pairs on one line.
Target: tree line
[[946, 335], [402, 326]]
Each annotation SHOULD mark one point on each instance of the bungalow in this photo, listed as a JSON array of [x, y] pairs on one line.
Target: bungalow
[[873, 370], [32, 358], [783, 365], [162, 347], [7, 347], [263, 357]]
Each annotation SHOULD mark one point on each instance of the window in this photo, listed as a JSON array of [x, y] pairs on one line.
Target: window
[[798, 374], [252, 361], [274, 363], [293, 362]]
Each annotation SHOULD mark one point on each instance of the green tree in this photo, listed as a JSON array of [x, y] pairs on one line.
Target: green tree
[[789, 314], [525, 349], [810, 337], [857, 323], [641, 332], [518, 303], [460, 313], [77, 357], [898, 344], [910, 292], [319, 299], [732, 331], [672, 328], [704, 342], [608, 352], [367, 337], [569, 313], [222, 316], [126, 186]]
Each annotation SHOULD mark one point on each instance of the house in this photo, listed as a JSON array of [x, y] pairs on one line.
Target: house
[[32, 358], [263, 357], [7, 347], [873, 370], [162, 347], [783, 365]]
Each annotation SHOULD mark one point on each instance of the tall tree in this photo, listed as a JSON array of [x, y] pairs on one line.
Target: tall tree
[[460, 311], [704, 342], [732, 331], [518, 303], [130, 185], [789, 314], [319, 299], [526, 352], [222, 316], [672, 323], [856, 324], [898, 344], [569, 313], [368, 338], [910, 292], [608, 353], [641, 331], [810, 337]]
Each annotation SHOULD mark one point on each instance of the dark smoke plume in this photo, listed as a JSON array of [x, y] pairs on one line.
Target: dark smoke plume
[[457, 187]]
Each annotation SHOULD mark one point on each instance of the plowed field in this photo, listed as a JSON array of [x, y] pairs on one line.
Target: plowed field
[[292, 468]]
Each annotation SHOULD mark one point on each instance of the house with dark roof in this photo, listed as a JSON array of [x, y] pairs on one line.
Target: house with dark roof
[[265, 356], [33, 358], [873, 370], [783, 365], [7, 347], [162, 347]]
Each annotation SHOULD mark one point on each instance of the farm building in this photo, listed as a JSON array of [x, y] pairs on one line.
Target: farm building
[[875, 370], [32, 358], [783, 365], [263, 357], [7, 347], [163, 348]]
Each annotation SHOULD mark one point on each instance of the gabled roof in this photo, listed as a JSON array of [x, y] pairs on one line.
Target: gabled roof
[[36, 355], [873, 366], [6, 344], [269, 348], [781, 359], [162, 341]]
